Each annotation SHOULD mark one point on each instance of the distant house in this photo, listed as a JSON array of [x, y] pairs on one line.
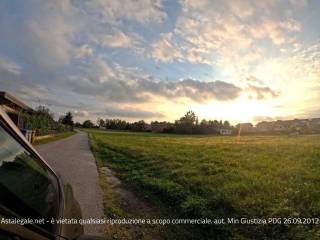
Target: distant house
[[281, 126], [225, 131], [245, 128], [158, 127], [14, 108], [315, 122], [287, 126], [147, 127], [264, 126]]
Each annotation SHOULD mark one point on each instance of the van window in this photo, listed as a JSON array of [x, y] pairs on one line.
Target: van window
[[27, 188]]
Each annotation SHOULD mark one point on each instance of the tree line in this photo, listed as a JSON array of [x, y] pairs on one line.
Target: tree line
[[42, 120], [114, 124], [187, 124]]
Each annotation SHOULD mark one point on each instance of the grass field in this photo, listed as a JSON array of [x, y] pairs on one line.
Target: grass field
[[220, 177]]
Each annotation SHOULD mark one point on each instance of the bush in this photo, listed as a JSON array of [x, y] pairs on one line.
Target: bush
[[43, 122]]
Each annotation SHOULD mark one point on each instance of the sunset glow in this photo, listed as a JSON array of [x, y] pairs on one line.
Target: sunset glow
[[236, 60]]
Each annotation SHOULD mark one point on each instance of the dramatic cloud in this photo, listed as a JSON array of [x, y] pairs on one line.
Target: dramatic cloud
[[194, 89], [120, 84], [128, 113]]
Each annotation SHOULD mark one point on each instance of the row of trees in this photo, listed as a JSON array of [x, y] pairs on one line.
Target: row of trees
[[43, 121], [187, 124], [114, 124]]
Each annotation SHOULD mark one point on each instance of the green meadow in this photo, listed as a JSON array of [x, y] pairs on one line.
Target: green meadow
[[220, 177]]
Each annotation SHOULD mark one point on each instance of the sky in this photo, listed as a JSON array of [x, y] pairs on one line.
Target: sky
[[236, 60]]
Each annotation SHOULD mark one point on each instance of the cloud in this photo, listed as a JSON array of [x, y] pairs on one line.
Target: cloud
[[262, 92], [110, 111], [257, 119], [71, 52], [230, 35], [120, 84], [165, 50], [115, 12], [275, 30], [54, 33], [84, 51], [311, 113], [196, 90], [9, 67], [253, 79], [116, 39], [81, 114], [129, 113], [40, 38]]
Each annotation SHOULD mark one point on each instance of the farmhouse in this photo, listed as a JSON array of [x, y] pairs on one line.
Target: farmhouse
[[245, 127], [14, 108], [225, 131]]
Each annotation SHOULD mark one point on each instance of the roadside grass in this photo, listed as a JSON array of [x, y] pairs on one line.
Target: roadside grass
[[220, 177], [54, 137]]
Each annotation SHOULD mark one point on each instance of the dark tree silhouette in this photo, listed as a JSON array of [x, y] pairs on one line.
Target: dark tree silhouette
[[67, 119], [87, 124]]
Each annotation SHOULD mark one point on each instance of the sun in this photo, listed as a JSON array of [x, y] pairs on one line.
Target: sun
[[241, 110], [246, 110]]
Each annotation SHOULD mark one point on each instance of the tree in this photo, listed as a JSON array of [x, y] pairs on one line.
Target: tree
[[189, 118], [138, 126], [67, 119], [186, 123], [101, 123], [87, 124], [117, 124], [77, 125], [226, 124]]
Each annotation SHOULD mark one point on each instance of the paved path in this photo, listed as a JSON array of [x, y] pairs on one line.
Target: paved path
[[73, 160]]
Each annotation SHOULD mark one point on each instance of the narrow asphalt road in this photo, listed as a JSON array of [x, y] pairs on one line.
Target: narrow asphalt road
[[73, 160]]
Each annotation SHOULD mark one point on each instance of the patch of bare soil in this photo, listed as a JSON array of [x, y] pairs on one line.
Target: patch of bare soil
[[120, 202]]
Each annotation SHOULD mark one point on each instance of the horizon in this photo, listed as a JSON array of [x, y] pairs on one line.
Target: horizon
[[241, 61]]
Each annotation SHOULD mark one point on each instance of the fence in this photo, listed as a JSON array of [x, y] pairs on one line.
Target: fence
[[29, 134]]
